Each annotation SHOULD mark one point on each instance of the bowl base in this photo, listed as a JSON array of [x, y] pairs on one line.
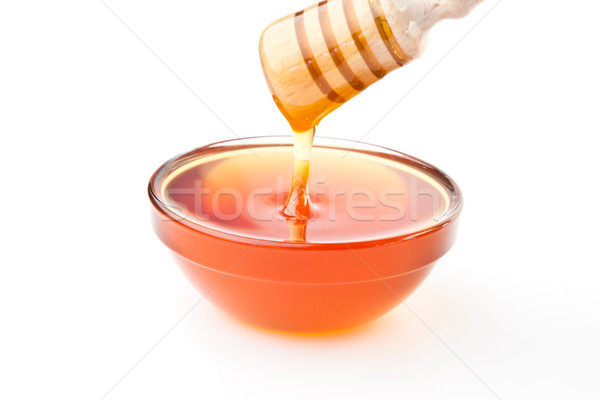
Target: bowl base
[[298, 307]]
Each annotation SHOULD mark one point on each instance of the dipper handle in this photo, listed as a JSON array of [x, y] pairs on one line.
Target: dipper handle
[[318, 58]]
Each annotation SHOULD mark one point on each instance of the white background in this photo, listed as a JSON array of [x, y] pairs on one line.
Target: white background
[[88, 294]]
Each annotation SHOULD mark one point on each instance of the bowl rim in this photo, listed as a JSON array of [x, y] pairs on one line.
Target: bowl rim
[[453, 210]]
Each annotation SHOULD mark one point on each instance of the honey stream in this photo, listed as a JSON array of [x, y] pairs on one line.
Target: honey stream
[[297, 209]]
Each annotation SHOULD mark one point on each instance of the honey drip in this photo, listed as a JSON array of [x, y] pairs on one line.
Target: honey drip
[[297, 209]]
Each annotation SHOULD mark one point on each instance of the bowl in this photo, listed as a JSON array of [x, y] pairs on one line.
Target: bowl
[[349, 271]]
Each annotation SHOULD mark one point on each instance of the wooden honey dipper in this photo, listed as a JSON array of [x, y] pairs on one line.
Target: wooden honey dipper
[[318, 58]]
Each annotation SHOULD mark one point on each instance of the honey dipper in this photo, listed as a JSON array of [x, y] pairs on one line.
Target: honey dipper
[[318, 58]]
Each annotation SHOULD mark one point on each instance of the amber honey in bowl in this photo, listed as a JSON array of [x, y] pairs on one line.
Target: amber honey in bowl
[[379, 220]]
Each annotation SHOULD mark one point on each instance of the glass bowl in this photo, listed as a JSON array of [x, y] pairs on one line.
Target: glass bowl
[[349, 271]]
